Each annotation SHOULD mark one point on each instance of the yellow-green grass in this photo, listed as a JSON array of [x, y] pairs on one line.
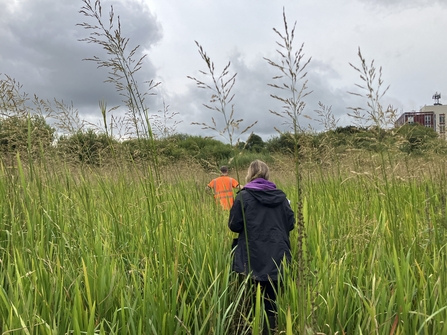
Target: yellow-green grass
[[109, 252]]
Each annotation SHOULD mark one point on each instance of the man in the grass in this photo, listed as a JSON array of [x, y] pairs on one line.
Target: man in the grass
[[222, 188]]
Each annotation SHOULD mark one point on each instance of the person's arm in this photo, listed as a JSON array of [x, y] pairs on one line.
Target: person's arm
[[209, 188], [236, 184], [235, 221]]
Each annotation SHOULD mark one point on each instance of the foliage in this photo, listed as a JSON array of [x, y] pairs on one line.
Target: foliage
[[207, 151], [90, 146], [356, 138], [86, 147], [349, 130], [136, 149], [210, 152], [122, 65], [82, 253], [284, 143], [325, 117], [254, 143], [22, 127], [410, 138], [246, 157], [12, 100], [25, 134], [417, 138]]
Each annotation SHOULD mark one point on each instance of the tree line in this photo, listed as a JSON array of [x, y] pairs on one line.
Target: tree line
[[32, 135]]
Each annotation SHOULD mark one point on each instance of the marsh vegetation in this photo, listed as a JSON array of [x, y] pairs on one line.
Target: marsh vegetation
[[102, 234]]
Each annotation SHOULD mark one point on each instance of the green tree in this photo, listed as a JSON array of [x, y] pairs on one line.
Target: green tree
[[255, 143]]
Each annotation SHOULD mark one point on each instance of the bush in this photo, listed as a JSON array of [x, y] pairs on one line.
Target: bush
[[416, 138], [25, 134], [86, 146], [207, 151], [284, 143], [137, 149]]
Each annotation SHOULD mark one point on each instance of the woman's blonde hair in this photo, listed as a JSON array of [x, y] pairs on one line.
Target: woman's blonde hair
[[257, 169]]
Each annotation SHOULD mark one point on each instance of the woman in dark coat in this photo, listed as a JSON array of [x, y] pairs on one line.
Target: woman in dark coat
[[268, 221]]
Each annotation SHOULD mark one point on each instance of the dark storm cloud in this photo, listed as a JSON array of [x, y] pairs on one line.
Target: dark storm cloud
[[40, 48]]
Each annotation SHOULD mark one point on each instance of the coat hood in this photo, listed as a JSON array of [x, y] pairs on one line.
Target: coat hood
[[260, 184], [268, 198]]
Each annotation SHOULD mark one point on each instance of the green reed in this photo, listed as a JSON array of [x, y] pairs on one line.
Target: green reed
[[377, 263], [83, 251]]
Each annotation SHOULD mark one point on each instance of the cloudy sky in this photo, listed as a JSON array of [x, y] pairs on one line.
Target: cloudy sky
[[40, 48]]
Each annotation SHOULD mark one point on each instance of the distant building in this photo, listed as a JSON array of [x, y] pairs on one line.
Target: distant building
[[429, 116]]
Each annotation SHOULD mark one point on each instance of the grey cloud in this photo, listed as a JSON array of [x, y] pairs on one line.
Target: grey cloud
[[40, 48], [253, 102]]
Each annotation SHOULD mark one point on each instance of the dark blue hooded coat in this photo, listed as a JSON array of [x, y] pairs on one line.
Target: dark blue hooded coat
[[269, 219]]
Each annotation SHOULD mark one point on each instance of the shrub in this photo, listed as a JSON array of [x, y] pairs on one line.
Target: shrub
[[21, 134], [207, 151], [281, 144], [416, 137], [86, 146]]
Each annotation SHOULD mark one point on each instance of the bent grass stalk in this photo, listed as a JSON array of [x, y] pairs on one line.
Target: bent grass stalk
[[122, 73]]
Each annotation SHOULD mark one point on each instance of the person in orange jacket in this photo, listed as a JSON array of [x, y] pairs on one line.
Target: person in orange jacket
[[222, 188]]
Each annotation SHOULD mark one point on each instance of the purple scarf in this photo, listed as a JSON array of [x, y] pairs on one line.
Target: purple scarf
[[260, 184]]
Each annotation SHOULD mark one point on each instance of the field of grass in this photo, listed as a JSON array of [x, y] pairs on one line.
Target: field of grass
[[107, 251]]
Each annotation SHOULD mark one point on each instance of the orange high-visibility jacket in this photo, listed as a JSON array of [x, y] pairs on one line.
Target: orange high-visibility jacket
[[223, 190]]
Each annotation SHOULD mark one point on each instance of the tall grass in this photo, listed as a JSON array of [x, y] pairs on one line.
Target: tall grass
[[85, 253], [82, 252], [122, 72], [96, 251], [292, 85]]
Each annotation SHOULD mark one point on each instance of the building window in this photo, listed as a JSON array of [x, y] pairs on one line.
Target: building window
[[441, 118], [427, 120], [410, 119]]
